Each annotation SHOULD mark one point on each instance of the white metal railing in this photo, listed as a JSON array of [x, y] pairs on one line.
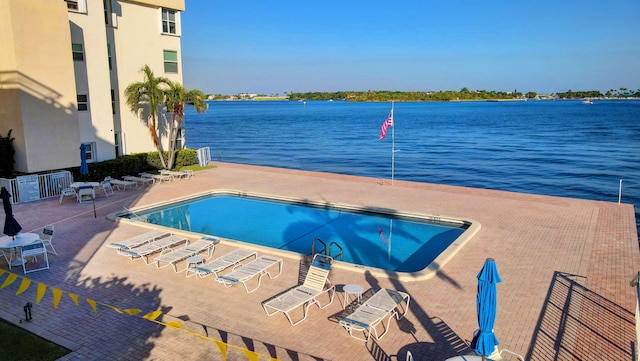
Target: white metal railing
[[37, 186]]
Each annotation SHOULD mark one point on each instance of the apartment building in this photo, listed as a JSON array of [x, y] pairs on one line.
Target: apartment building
[[63, 71]]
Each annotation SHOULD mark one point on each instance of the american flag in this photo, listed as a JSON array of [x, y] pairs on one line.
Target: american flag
[[387, 123]]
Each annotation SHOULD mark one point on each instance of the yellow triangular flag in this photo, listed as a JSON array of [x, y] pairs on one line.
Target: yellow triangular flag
[[251, 355], [152, 315], [24, 285], [10, 279], [223, 349], [174, 324], [57, 294], [92, 303], [74, 297], [42, 288]]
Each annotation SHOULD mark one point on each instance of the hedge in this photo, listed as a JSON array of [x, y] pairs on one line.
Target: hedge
[[133, 164]]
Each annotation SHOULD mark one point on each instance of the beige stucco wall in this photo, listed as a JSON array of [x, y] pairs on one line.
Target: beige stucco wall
[[169, 4], [132, 52], [92, 78], [37, 90], [39, 80]]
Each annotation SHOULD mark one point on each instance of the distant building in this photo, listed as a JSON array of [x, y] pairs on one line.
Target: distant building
[[64, 66]]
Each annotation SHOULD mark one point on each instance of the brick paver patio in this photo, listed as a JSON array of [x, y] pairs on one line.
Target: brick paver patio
[[565, 263]]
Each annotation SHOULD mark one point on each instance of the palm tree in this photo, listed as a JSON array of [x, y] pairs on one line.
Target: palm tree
[[176, 97], [149, 95]]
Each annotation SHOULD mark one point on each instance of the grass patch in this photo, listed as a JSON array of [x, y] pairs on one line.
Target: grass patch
[[21, 345], [196, 167]]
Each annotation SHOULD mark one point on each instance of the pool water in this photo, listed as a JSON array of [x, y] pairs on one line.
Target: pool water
[[368, 238]]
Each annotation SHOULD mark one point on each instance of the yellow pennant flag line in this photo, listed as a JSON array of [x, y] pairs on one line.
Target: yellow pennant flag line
[[152, 316]]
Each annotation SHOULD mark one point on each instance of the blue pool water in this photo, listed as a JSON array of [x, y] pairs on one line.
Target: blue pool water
[[556, 148], [384, 241]]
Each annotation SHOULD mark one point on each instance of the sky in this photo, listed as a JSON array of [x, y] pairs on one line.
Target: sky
[[277, 47]]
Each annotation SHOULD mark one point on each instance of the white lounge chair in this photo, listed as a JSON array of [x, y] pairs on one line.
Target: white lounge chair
[[244, 273], [47, 238], [139, 180], [139, 239], [174, 256], [175, 174], [121, 184], [306, 294], [157, 177], [231, 259], [149, 248], [366, 318]]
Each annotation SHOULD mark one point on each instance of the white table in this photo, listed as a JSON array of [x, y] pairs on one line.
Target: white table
[[352, 289], [11, 245], [192, 262], [77, 185]]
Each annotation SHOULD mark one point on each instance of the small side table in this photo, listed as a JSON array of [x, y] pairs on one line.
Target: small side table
[[352, 289], [192, 262]]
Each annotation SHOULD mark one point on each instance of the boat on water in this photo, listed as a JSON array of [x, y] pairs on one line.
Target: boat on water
[[587, 101]]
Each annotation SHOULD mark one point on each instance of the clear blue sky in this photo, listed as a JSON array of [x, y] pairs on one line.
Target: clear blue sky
[[269, 47]]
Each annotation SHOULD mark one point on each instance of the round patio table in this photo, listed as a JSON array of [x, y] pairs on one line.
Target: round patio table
[[11, 245]]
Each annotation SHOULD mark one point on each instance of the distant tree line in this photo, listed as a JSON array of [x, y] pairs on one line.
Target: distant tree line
[[413, 96], [445, 95]]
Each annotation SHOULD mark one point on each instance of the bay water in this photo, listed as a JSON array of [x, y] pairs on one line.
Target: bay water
[[556, 148]]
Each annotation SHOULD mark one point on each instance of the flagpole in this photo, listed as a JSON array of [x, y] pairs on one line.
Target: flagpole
[[393, 145]]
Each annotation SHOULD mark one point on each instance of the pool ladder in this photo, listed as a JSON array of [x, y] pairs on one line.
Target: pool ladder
[[326, 251]]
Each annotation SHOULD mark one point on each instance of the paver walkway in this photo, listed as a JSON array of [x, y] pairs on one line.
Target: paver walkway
[[565, 263]]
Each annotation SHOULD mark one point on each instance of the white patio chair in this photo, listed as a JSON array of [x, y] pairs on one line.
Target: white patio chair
[[32, 251], [107, 189], [67, 192], [46, 236], [305, 295]]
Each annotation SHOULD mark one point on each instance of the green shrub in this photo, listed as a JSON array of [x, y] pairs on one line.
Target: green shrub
[[132, 164]]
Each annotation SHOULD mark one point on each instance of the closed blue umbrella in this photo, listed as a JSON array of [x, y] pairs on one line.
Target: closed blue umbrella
[[84, 168], [485, 341], [11, 226]]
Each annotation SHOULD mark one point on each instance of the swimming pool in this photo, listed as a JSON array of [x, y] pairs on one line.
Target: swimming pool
[[369, 238]]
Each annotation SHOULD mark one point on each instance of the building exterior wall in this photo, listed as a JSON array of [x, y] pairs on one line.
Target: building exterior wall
[[40, 81], [37, 90], [131, 55]]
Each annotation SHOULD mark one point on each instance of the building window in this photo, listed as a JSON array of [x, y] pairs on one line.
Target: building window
[[78, 52], [109, 55], [116, 143], [113, 101], [90, 151], [78, 6], [83, 102], [169, 21], [170, 61]]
